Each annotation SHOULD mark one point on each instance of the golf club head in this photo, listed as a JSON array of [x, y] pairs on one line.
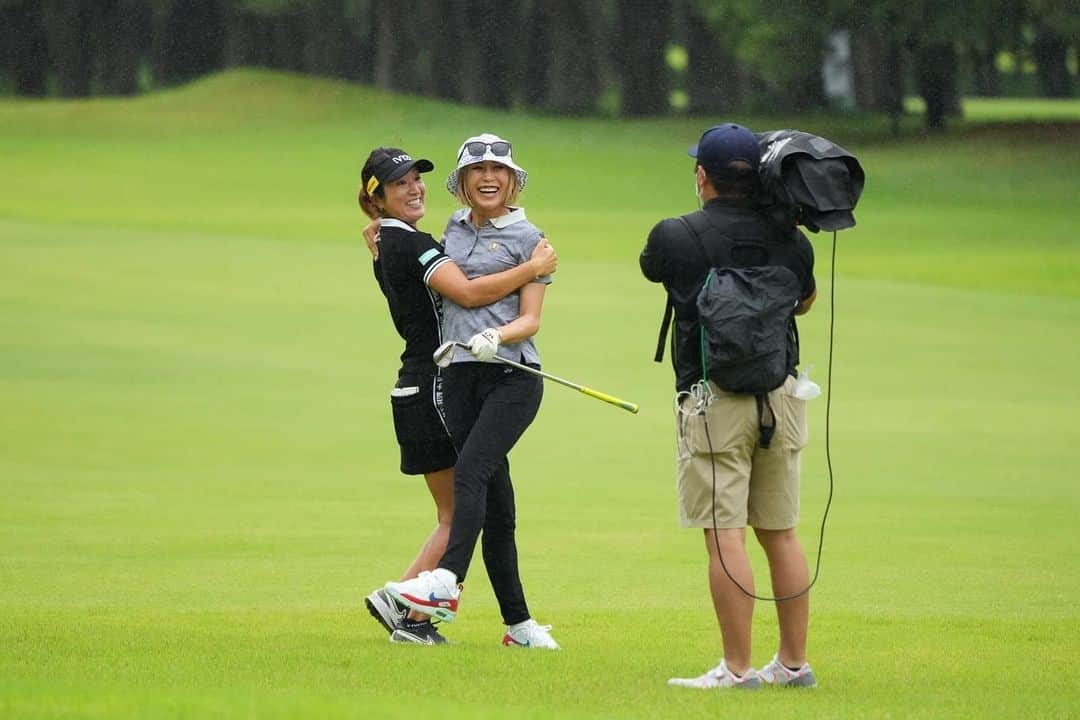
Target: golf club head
[[444, 354]]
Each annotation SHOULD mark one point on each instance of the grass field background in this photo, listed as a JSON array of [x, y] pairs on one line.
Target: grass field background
[[198, 471]]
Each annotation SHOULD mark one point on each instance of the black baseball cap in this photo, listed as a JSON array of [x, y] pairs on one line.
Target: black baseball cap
[[722, 144], [387, 164]]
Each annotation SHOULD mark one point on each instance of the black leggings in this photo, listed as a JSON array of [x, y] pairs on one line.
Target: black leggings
[[488, 407]]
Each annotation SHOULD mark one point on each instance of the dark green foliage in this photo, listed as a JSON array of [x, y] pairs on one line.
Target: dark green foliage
[[23, 47], [643, 32], [572, 57]]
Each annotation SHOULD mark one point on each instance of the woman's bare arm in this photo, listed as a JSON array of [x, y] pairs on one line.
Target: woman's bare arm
[[527, 322]]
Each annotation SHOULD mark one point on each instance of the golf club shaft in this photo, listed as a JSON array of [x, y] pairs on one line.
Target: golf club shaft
[[628, 406], [443, 356]]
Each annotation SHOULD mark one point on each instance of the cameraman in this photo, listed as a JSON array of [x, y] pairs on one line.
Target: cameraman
[[726, 481]]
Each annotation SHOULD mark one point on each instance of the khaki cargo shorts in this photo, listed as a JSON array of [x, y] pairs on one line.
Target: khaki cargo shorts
[[754, 487]]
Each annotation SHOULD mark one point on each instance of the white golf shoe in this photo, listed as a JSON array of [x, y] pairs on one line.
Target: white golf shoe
[[776, 673], [433, 593], [720, 677], [529, 634]]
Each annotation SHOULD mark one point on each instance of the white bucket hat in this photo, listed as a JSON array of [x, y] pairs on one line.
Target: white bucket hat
[[494, 149]]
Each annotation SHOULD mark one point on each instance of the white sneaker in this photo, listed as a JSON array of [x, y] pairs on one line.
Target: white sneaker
[[720, 677], [529, 634], [433, 593], [776, 673]]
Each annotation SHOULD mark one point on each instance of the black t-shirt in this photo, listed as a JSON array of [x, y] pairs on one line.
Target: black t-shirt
[[407, 259], [673, 257]]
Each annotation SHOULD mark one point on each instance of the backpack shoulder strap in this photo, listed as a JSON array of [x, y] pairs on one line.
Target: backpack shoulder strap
[[669, 308], [665, 325], [693, 227], [716, 254]]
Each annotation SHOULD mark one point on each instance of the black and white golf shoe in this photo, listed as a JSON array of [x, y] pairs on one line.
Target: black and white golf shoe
[[385, 609], [417, 632]]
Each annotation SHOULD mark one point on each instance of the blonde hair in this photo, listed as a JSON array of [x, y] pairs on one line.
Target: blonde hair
[[512, 190]]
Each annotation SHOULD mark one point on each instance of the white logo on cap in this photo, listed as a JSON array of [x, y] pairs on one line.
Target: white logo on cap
[[398, 159]]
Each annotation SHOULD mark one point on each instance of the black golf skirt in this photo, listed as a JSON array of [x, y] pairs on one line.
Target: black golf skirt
[[416, 401]]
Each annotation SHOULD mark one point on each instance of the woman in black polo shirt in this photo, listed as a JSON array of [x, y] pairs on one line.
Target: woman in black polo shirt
[[414, 273]]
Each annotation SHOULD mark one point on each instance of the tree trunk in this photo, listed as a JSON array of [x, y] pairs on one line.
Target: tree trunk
[[25, 46], [384, 16], [67, 24], [715, 80], [879, 63], [536, 83], [987, 77], [809, 89], [188, 39], [893, 87], [287, 41], [246, 39], [802, 85], [573, 66], [867, 62], [504, 54], [160, 41], [121, 28], [490, 52], [397, 47], [644, 30], [358, 45], [878, 71], [1051, 51], [324, 38], [448, 77], [936, 71]]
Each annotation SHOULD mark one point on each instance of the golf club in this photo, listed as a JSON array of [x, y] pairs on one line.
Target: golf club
[[445, 353]]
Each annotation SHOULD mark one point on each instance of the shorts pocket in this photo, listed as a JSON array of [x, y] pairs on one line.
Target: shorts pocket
[[727, 419], [794, 432], [413, 414]]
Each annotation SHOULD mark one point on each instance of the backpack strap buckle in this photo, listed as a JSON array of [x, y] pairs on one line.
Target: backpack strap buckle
[[766, 420]]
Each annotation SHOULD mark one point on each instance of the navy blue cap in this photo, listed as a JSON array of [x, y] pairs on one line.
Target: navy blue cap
[[722, 144]]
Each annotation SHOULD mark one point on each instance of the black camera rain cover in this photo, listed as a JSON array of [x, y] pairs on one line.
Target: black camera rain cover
[[814, 176]]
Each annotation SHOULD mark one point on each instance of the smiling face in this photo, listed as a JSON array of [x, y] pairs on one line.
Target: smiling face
[[404, 198], [488, 188]]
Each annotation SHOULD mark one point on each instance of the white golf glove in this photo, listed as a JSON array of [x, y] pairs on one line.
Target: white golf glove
[[484, 345]]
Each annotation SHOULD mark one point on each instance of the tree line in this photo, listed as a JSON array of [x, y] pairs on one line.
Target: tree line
[[626, 57]]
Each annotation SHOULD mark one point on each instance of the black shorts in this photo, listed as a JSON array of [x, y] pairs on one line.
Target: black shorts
[[416, 401]]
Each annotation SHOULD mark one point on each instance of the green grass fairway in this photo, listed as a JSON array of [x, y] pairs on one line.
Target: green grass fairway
[[198, 471]]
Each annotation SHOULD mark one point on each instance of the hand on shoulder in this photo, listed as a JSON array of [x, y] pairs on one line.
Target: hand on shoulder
[[544, 260]]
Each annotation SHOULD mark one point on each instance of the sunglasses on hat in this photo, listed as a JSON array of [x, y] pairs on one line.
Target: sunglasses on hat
[[477, 149]]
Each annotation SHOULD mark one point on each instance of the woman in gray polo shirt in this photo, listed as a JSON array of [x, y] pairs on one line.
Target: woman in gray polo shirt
[[415, 275], [488, 405]]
